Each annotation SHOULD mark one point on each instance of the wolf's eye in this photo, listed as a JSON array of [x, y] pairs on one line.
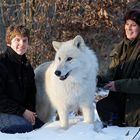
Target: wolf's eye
[[69, 58], [59, 58]]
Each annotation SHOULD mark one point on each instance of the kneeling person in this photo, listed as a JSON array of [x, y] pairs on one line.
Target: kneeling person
[[17, 85]]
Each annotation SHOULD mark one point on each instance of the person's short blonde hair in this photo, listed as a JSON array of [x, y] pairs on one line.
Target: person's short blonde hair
[[12, 31]]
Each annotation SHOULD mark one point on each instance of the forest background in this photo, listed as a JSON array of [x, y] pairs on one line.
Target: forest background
[[99, 22]]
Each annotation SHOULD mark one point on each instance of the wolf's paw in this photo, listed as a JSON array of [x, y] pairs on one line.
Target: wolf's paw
[[98, 126], [64, 126]]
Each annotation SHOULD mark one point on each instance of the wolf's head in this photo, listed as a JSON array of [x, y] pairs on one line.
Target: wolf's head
[[67, 58], [70, 58]]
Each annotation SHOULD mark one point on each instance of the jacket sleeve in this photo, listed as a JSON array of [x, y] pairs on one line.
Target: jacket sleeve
[[31, 96], [130, 86], [7, 105]]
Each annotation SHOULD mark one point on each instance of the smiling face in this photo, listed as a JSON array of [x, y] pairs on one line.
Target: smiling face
[[19, 44], [132, 30]]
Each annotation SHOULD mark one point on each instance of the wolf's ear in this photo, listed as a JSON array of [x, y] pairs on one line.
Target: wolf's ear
[[56, 45], [78, 41]]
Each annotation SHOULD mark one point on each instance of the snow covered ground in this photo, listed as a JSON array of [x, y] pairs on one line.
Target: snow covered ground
[[78, 130]]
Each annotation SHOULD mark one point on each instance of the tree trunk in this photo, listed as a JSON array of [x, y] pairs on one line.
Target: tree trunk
[[2, 30]]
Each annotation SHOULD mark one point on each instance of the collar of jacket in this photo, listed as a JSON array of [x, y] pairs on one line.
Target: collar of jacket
[[131, 43], [13, 56], [125, 42]]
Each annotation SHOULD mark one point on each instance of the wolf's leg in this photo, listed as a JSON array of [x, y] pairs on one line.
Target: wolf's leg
[[63, 115], [88, 113]]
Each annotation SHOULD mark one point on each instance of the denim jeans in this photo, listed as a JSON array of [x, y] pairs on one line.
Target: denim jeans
[[16, 124]]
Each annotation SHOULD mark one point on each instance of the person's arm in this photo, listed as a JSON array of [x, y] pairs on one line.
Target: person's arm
[[7, 105], [128, 85], [31, 91], [30, 113]]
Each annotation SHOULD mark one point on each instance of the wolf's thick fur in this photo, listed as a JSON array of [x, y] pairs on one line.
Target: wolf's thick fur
[[70, 80], [43, 106]]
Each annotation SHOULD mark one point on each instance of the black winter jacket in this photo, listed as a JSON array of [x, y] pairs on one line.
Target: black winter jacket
[[17, 85]]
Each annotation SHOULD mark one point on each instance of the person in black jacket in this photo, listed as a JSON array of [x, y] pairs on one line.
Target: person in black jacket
[[17, 85]]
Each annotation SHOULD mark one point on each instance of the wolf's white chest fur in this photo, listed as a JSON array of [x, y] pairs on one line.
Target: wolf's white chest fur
[[71, 92]]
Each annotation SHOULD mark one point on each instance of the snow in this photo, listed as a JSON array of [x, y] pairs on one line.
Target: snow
[[78, 130]]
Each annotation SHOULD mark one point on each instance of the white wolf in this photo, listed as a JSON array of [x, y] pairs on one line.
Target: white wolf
[[70, 80]]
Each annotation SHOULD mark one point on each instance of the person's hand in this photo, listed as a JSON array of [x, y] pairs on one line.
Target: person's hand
[[30, 116], [110, 86]]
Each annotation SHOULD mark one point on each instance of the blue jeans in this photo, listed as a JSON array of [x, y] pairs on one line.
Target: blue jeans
[[16, 124]]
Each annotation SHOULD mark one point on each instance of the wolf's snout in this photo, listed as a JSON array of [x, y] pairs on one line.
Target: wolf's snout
[[57, 72]]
